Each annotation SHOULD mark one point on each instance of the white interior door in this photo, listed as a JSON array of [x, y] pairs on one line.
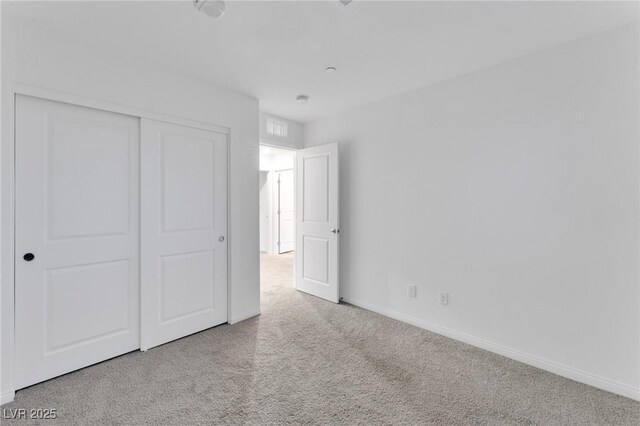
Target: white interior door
[[286, 215], [77, 238], [184, 231], [317, 227]]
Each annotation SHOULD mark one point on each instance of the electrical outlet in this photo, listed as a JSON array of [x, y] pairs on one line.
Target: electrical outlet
[[412, 291], [444, 298]]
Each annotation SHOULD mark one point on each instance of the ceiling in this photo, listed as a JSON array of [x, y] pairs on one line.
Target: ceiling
[[277, 50]]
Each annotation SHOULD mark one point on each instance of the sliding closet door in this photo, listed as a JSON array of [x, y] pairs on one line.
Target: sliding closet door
[[183, 231], [77, 238]]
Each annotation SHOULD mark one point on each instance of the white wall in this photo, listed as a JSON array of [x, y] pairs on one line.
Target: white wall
[[283, 160], [67, 65], [276, 159], [515, 189], [294, 138]]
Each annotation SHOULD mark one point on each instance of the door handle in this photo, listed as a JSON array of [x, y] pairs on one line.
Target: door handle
[[335, 231], [28, 257]]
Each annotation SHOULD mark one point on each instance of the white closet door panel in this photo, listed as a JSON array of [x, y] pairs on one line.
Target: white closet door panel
[[77, 212], [184, 228]]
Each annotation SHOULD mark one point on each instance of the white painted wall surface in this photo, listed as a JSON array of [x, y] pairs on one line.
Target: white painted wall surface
[[66, 65], [283, 160], [515, 189], [265, 210]]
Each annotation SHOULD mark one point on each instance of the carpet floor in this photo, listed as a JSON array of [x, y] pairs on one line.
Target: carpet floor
[[308, 361]]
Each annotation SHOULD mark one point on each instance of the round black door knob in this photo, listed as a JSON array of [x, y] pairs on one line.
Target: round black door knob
[[28, 257]]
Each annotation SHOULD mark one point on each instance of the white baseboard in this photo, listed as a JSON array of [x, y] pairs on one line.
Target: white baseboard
[[237, 318], [544, 364], [7, 396]]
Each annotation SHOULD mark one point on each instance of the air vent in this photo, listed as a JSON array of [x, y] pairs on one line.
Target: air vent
[[276, 127], [344, 2]]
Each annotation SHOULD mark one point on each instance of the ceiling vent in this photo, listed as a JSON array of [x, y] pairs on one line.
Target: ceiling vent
[[213, 8], [276, 127], [344, 2]]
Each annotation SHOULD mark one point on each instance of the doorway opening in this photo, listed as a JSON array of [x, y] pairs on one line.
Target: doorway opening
[[277, 216], [299, 229]]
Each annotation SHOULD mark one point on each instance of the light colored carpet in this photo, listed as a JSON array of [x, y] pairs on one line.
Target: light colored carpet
[[307, 361]]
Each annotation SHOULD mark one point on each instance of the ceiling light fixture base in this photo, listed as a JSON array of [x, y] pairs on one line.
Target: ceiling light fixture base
[[212, 8]]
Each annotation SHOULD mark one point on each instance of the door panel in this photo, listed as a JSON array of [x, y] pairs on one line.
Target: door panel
[[187, 180], [77, 211], [315, 266], [182, 297], [315, 192], [184, 246], [317, 227], [286, 215], [104, 289]]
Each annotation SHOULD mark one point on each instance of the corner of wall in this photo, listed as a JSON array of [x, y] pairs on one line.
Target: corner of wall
[[7, 396]]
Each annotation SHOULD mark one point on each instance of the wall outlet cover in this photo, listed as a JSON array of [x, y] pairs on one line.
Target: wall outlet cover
[[412, 291]]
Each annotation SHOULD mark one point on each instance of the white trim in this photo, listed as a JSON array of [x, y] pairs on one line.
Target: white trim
[[270, 144], [229, 239], [544, 364], [7, 204], [55, 95], [272, 183], [6, 397], [244, 316], [279, 145], [7, 281]]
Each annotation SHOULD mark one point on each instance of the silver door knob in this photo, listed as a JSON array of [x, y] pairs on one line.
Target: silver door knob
[[334, 230], [221, 238]]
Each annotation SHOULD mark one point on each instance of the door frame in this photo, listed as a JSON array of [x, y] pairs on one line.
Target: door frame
[[273, 225], [7, 207]]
